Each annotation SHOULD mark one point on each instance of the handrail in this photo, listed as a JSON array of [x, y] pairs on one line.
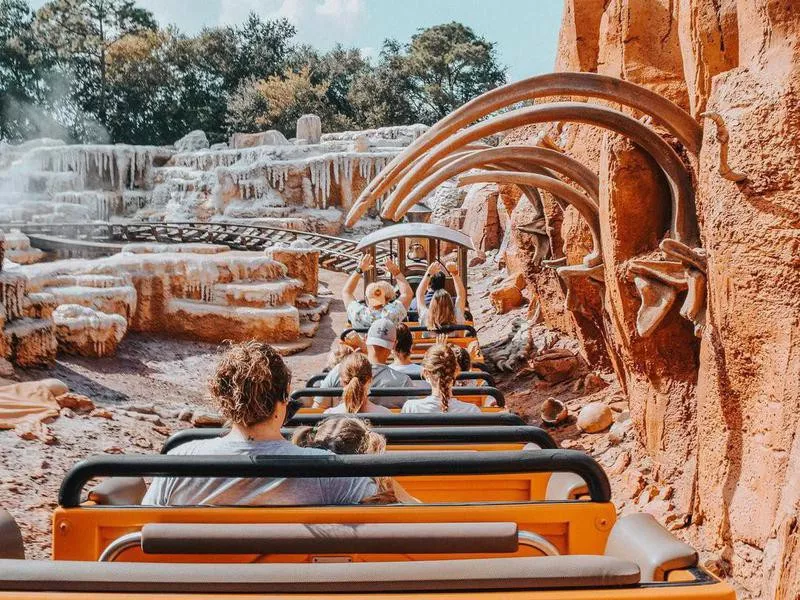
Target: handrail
[[401, 392], [465, 376], [505, 419], [403, 435], [330, 544], [443, 329], [382, 465]]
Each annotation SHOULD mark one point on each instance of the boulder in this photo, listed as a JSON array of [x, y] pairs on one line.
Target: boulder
[[309, 128], [192, 141], [555, 365], [594, 417], [554, 411], [505, 298], [273, 137], [481, 219]]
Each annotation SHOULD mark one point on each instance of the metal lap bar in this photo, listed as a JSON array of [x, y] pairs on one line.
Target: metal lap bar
[[405, 435], [386, 465], [404, 392], [465, 376], [469, 329]]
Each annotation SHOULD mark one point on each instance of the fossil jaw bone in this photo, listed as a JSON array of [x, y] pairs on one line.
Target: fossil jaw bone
[[583, 85], [723, 137]]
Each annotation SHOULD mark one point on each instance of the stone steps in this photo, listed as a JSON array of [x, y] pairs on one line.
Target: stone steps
[[204, 321], [257, 294], [32, 342]]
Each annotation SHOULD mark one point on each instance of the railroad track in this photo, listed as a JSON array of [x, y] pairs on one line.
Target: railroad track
[[100, 238]]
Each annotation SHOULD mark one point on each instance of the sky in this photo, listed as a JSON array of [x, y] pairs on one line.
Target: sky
[[525, 31]]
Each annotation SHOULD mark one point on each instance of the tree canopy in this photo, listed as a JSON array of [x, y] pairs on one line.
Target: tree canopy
[[103, 70]]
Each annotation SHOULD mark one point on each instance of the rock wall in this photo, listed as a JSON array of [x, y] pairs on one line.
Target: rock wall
[[718, 416]]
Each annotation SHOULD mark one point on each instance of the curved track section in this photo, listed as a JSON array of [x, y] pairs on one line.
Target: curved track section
[[86, 240]]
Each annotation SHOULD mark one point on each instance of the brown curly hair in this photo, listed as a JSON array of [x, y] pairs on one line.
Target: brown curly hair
[[250, 380], [439, 367]]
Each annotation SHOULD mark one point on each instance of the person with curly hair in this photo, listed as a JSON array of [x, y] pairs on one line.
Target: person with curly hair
[[439, 369], [251, 389]]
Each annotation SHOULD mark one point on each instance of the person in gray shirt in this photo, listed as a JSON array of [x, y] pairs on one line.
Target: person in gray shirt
[[251, 388], [381, 339]]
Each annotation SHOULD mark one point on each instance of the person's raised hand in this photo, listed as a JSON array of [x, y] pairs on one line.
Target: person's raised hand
[[441, 338], [392, 267], [452, 268], [365, 263], [433, 268]]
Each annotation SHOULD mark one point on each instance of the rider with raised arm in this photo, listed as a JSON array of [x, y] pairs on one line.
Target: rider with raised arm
[[379, 296]]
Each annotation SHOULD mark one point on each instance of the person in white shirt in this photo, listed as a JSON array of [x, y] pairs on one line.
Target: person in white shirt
[[381, 339], [439, 369], [251, 388], [379, 296], [355, 374]]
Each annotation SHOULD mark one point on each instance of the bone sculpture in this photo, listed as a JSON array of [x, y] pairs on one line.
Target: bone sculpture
[[592, 266], [429, 151], [723, 137], [584, 85]]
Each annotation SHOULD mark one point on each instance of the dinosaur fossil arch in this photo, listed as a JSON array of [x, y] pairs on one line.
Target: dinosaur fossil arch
[[684, 224], [584, 85]]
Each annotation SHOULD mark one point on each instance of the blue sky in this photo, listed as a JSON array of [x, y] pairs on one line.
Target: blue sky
[[525, 31]]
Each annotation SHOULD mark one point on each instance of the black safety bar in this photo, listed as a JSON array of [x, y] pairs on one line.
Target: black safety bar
[[404, 435], [402, 392], [381, 465], [503, 419], [443, 329], [466, 376]]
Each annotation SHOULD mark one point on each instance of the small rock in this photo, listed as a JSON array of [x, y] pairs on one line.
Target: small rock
[[593, 383], [143, 443], [594, 417], [146, 409], [476, 260], [102, 413], [622, 462], [185, 414], [679, 522], [506, 296], [76, 402], [633, 484], [555, 365], [553, 411], [114, 450], [166, 413], [45, 464], [67, 412], [6, 369], [165, 431], [203, 419], [618, 431], [658, 508], [618, 405], [192, 141]]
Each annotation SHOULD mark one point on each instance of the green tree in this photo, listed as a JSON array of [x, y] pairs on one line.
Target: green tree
[[81, 34], [449, 65]]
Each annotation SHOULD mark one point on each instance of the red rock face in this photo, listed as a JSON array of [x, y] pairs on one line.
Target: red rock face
[[719, 416]]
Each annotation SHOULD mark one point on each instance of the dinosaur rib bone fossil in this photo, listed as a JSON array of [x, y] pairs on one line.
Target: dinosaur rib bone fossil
[[577, 85]]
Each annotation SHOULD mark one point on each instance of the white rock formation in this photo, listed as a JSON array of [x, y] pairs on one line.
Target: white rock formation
[[192, 141], [309, 128], [87, 332]]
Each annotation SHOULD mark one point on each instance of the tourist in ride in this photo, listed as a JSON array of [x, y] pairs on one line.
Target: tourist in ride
[[379, 296], [381, 339], [251, 388], [442, 309], [347, 435], [438, 281], [464, 361], [355, 374], [402, 352], [439, 369]]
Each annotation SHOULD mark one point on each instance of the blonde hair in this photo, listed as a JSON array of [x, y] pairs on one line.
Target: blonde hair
[[355, 375], [441, 310], [251, 379], [386, 290], [439, 367], [338, 352], [348, 435]]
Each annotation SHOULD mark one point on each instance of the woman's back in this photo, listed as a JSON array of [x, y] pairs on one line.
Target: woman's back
[[432, 404], [188, 491]]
